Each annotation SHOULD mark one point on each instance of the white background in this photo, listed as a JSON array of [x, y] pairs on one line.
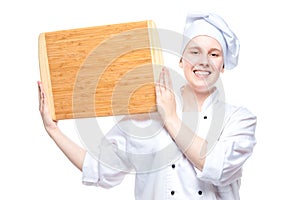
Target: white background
[[266, 82]]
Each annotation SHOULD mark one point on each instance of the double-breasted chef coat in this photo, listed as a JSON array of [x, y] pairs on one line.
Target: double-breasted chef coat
[[162, 171]]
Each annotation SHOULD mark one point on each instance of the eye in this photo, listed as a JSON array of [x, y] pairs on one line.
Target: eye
[[214, 54], [194, 52]]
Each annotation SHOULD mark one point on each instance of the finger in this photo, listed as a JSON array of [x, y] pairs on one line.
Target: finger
[[168, 80], [164, 77], [158, 96], [40, 95], [157, 88], [161, 81], [41, 87]]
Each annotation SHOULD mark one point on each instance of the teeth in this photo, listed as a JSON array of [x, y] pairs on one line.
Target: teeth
[[201, 73], [198, 70]]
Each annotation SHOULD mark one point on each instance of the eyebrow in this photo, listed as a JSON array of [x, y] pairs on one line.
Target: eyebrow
[[210, 50], [215, 49]]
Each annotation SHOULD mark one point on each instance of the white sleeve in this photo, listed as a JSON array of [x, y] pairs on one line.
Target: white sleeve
[[223, 164], [109, 167], [90, 175]]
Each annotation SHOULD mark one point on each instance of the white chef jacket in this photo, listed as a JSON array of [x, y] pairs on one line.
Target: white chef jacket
[[162, 170]]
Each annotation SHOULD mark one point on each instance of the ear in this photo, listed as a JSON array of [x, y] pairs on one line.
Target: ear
[[180, 63], [223, 69]]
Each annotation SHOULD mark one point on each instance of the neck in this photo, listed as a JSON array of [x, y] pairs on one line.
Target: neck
[[193, 100]]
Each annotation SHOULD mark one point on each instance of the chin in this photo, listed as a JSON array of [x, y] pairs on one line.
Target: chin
[[202, 88]]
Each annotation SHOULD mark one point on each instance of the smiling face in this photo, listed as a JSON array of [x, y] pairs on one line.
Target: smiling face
[[202, 61]]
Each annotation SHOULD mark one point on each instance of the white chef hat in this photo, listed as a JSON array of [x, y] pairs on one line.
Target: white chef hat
[[199, 23]]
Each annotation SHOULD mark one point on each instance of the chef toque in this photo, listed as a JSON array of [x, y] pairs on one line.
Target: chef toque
[[198, 23]]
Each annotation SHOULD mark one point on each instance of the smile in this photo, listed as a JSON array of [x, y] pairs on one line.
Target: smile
[[199, 72], [202, 73]]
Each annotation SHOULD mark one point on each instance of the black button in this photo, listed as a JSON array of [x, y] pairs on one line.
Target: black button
[[172, 192], [200, 192], [173, 166], [205, 117]]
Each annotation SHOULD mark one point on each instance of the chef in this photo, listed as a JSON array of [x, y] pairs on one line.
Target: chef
[[192, 150]]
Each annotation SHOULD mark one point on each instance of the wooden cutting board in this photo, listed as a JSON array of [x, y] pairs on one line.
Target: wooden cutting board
[[100, 71]]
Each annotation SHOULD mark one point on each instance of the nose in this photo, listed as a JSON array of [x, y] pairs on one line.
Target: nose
[[202, 60]]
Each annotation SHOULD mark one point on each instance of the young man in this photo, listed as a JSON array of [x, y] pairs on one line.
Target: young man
[[198, 152]]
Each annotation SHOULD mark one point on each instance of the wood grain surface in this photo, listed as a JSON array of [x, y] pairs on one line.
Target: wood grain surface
[[100, 71]]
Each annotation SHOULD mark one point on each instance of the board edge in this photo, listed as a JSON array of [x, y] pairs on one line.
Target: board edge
[[45, 72]]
